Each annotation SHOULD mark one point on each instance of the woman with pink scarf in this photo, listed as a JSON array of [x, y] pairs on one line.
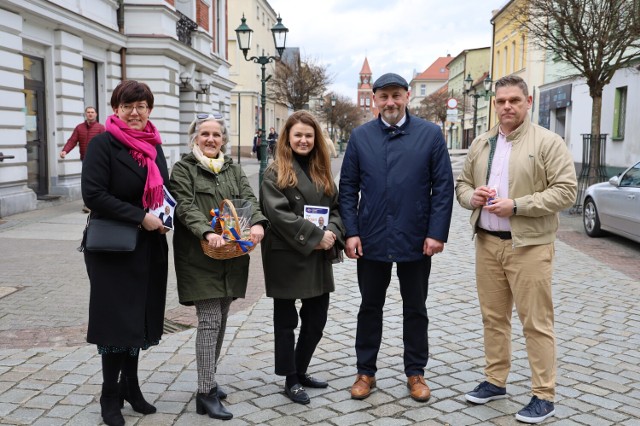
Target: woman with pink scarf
[[123, 173]]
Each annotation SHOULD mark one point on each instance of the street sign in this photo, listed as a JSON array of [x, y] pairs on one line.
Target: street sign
[[452, 116], [452, 103]]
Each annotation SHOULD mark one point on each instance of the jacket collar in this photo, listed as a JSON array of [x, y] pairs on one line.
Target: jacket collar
[[394, 131], [228, 161]]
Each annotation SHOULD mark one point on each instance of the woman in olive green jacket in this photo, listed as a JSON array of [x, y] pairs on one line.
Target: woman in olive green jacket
[[296, 254], [200, 181]]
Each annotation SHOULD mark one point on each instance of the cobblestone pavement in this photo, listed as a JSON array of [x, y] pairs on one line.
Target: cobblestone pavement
[[49, 376]]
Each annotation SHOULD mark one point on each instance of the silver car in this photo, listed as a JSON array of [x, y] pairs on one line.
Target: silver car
[[614, 206]]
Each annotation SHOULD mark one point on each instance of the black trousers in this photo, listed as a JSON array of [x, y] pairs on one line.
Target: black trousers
[[292, 358], [373, 279]]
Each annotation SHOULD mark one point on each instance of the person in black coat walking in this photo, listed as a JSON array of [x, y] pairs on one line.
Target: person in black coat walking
[[123, 174]]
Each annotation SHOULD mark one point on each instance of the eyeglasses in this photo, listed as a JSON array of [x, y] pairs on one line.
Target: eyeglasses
[[127, 108], [205, 115]]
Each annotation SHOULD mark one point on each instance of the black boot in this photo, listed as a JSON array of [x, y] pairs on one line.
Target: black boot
[[109, 406], [129, 390], [210, 404]]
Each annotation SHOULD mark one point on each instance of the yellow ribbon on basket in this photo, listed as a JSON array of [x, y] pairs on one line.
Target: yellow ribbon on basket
[[229, 234]]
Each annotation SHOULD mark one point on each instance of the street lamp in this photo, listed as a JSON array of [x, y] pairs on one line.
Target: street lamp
[[333, 104], [468, 86], [243, 34]]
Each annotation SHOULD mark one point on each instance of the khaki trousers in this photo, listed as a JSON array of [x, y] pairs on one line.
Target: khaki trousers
[[504, 275]]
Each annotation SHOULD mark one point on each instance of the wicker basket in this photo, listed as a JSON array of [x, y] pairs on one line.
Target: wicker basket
[[230, 249]]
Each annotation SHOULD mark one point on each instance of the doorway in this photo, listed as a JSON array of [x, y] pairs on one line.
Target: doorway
[[35, 126]]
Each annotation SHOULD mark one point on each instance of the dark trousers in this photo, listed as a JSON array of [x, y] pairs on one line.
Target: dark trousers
[[294, 358], [373, 280]]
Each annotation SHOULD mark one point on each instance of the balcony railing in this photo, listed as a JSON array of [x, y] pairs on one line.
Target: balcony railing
[[184, 28]]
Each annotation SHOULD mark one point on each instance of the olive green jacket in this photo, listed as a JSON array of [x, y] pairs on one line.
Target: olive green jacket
[[197, 190]]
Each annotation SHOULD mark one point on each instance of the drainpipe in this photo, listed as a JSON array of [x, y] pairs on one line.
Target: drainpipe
[[123, 50]]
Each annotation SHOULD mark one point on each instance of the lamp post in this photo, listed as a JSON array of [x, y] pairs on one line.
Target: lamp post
[[243, 34], [344, 121], [468, 87], [333, 104]]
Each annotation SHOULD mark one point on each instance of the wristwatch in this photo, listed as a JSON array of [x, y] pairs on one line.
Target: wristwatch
[[515, 207]]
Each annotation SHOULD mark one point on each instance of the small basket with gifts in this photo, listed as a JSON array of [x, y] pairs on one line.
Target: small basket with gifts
[[233, 221]]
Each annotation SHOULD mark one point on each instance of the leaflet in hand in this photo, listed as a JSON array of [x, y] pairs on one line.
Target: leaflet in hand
[[166, 210], [318, 215]]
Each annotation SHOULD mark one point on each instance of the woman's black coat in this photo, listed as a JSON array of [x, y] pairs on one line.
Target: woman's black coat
[[128, 290]]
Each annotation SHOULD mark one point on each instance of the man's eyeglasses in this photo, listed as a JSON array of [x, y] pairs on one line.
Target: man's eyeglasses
[[127, 108], [205, 115]]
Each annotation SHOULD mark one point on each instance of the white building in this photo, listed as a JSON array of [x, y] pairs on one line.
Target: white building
[[58, 56]]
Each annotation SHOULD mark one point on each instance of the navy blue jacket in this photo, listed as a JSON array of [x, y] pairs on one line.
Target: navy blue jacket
[[396, 189]]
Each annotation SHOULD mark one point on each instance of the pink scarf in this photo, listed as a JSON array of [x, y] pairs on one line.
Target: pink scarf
[[142, 147]]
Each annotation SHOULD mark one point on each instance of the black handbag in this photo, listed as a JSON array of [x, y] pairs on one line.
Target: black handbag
[[110, 235]]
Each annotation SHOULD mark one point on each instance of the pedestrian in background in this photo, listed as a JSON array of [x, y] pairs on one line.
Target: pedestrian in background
[[396, 200], [257, 142], [200, 182], [123, 175], [296, 254], [82, 134], [516, 178], [330, 145], [272, 138]]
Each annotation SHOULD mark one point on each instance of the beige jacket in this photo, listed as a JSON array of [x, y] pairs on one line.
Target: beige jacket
[[542, 181]]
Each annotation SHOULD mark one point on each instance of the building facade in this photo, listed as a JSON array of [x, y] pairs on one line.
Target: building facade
[[60, 56], [473, 63], [428, 81]]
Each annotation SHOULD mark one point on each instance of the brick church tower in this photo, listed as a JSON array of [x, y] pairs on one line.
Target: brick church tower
[[365, 94]]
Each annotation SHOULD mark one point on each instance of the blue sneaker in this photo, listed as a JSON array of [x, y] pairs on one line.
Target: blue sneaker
[[486, 392], [537, 411]]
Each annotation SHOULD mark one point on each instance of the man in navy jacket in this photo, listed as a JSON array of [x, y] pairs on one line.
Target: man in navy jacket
[[396, 199]]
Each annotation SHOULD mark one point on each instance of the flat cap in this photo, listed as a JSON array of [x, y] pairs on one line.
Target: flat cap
[[390, 79]]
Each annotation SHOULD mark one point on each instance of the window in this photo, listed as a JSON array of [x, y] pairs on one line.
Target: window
[[505, 70], [522, 52], [619, 113], [513, 56], [368, 102], [423, 90], [361, 101], [632, 177]]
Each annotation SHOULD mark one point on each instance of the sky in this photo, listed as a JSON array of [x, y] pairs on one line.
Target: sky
[[396, 36]]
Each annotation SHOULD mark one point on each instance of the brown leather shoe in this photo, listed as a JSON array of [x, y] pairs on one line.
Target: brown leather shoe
[[362, 386], [419, 389]]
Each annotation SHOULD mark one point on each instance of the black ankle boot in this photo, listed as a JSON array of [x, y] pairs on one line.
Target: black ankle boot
[[109, 406], [210, 404], [130, 391]]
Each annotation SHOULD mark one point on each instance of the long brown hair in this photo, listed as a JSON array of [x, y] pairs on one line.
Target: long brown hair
[[319, 160]]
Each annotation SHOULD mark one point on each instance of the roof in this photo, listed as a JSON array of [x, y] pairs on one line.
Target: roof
[[365, 67], [436, 71]]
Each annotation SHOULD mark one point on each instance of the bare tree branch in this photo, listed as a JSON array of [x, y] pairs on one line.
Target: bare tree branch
[[596, 37], [294, 82]]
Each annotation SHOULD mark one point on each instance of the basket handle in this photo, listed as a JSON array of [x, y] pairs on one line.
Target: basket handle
[[232, 209]]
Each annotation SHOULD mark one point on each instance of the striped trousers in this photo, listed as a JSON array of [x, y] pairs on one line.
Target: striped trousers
[[212, 322]]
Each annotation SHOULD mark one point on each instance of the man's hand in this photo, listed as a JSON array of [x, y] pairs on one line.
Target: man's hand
[[353, 247], [432, 246], [63, 154], [501, 207], [481, 196]]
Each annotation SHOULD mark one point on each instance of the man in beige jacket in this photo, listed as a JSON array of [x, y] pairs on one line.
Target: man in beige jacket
[[516, 179]]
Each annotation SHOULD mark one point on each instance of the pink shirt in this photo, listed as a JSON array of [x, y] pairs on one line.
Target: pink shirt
[[498, 179]]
